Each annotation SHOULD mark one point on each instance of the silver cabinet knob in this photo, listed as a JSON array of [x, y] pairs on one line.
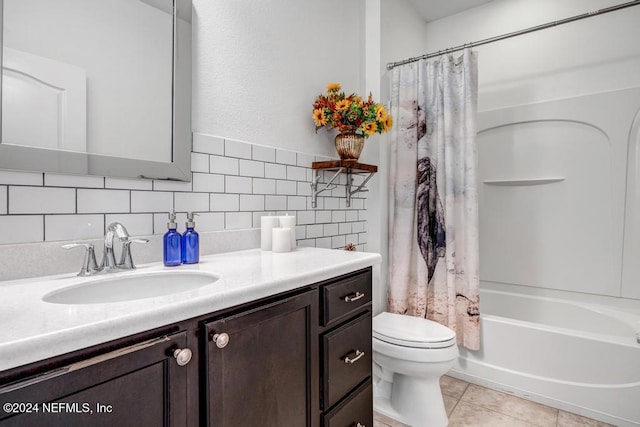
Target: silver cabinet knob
[[221, 340], [182, 356]]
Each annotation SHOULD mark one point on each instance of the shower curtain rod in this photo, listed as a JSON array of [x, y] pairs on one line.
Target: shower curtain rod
[[392, 65]]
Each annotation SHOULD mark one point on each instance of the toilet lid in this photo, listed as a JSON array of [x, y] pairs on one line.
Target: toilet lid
[[410, 331]]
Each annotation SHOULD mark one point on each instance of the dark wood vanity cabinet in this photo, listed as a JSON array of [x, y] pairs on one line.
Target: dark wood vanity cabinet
[[261, 365], [346, 345], [138, 385], [302, 358]]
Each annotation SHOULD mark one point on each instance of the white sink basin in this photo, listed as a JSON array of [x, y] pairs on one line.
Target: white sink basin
[[114, 288]]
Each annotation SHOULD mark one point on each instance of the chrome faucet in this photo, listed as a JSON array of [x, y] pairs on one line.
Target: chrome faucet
[[108, 264]]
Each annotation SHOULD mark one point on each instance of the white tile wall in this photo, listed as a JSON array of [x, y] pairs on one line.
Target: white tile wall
[[233, 184]]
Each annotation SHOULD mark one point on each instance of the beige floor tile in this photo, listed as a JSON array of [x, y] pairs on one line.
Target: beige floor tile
[[468, 415], [452, 386], [385, 421], [535, 413], [449, 403], [567, 419]]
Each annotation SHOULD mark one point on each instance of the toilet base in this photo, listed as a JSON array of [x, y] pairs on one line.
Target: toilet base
[[419, 400]]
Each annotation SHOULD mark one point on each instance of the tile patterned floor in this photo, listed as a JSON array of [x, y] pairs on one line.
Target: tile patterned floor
[[469, 405]]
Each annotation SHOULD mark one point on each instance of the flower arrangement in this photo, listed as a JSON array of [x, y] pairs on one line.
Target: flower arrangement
[[350, 114]]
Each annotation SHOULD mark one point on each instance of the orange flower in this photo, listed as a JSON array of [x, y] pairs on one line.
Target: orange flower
[[370, 128], [319, 117], [342, 105], [333, 87], [381, 113]]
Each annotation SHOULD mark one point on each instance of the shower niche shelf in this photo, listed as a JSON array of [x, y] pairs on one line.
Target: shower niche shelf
[[348, 167]]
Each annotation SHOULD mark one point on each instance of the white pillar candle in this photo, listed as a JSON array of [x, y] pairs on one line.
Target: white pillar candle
[[281, 240], [289, 221], [267, 223]]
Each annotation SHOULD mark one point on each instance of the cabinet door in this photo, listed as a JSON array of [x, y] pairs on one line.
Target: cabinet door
[[140, 385], [266, 374]]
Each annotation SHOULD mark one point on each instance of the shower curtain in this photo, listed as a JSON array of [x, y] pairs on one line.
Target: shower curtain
[[433, 212]]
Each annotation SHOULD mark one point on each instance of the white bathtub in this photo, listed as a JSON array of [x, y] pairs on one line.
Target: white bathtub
[[583, 358]]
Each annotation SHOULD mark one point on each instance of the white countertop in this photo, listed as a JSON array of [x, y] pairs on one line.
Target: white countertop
[[34, 330]]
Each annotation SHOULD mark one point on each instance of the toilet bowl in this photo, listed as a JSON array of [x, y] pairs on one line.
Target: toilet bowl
[[410, 354]]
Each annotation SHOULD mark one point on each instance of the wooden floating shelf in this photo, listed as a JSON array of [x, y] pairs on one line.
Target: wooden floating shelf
[[348, 167]]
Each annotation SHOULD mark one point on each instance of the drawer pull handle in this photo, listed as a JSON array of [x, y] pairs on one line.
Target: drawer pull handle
[[353, 297], [360, 425], [359, 355], [221, 340]]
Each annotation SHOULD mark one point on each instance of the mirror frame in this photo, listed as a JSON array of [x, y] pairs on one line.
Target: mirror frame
[[14, 157]]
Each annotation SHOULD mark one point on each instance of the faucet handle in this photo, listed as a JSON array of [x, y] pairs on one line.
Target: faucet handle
[[126, 261], [89, 264]]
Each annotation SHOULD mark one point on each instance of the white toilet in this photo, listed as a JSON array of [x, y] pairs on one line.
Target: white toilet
[[410, 354]]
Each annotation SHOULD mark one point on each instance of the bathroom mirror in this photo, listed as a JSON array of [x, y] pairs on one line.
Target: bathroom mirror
[[97, 87]]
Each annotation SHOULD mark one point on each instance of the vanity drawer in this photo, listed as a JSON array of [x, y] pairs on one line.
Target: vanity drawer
[[354, 411], [343, 297], [347, 358]]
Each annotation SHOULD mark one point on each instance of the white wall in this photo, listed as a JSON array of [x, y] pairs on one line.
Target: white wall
[[258, 66], [547, 75]]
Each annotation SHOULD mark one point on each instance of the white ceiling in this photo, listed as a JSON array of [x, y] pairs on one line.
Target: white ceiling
[[436, 9]]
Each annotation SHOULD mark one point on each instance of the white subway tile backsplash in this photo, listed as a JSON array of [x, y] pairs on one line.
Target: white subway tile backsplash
[[73, 227], [191, 202], [324, 242], [264, 186], [21, 229], [208, 144], [210, 221], [323, 217], [338, 216], [295, 173], [151, 201], [351, 216], [224, 202], [224, 165], [272, 170], [20, 178], [250, 202], [103, 201], [286, 157], [56, 180], [39, 200], [237, 149], [296, 203], [233, 184], [275, 203], [363, 215], [238, 184], [304, 188], [344, 228], [128, 184], [208, 183], [286, 188], [306, 217], [166, 185], [315, 230], [3, 199], [199, 162], [264, 154], [304, 160], [238, 220], [252, 168], [330, 229], [338, 242], [136, 224], [357, 227]]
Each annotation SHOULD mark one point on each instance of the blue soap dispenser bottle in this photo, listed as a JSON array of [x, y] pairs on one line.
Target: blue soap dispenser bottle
[[172, 243], [190, 242]]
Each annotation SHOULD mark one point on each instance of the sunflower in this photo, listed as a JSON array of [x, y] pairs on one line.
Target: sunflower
[[369, 128], [319, 117], [342, 105], [381, 113], [387, 123], [333, 87]]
